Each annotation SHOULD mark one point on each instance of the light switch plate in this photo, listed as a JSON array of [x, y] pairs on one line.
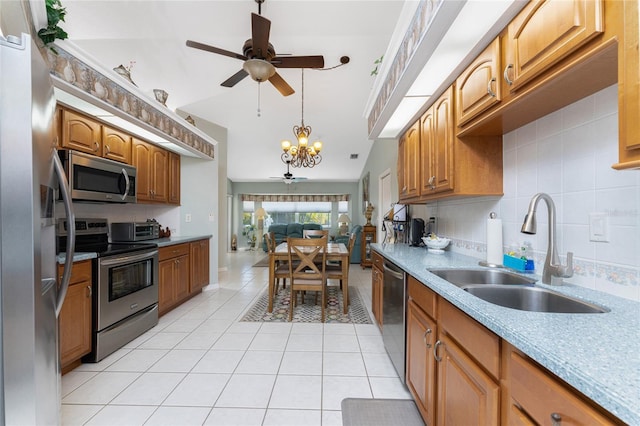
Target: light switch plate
[[599, 227]]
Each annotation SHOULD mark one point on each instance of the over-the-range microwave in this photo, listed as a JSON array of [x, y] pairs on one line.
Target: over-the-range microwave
[[98, 179]]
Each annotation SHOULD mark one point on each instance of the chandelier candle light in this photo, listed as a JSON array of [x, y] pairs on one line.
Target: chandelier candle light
[[303, 154]]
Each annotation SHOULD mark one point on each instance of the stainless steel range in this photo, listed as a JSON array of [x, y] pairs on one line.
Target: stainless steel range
[[125, 286]]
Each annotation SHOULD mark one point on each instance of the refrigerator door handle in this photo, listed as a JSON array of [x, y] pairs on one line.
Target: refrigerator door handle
[[71, 232]]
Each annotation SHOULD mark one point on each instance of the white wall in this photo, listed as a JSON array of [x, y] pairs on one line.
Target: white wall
[[567, 154]]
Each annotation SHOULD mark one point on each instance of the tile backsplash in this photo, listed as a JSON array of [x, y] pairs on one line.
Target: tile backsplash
[[567, 154]]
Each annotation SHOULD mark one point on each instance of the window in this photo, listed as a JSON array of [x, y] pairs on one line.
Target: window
[[248, 207], [300, 212]]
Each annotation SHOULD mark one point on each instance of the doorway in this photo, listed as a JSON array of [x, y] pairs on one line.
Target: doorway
[[384, 195]]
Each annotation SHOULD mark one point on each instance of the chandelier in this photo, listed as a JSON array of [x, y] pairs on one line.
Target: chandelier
[[303, 154]]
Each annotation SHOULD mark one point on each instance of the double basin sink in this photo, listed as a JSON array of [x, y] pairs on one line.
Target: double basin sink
[[514, 291]]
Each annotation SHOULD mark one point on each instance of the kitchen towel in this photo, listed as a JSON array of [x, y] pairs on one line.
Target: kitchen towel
[[494, 240]]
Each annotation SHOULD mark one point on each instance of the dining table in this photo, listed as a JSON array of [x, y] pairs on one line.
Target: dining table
[[336, 252]]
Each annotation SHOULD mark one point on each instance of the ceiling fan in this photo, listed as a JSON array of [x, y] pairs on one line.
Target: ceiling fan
[[259, 56], [288, 177]]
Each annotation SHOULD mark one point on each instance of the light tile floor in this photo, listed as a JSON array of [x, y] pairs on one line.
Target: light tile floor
[[201, 366]]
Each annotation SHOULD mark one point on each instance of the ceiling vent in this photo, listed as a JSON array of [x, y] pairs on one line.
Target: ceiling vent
[[353, 156]]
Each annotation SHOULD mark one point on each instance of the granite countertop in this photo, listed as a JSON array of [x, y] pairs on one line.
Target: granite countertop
[[598, 354], [178, 239]]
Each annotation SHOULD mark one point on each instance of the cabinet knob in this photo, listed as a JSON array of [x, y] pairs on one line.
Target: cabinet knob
[[107, 150], [427, 332], [556, 419], [89, 291], [96, 146], [506, 74], [489, 89], [432, 181], [435, 351]]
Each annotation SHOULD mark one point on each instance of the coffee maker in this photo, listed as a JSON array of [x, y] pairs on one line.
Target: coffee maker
[[417, 232]]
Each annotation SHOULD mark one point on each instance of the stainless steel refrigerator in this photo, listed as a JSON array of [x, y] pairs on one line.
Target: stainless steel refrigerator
[[30, 294]]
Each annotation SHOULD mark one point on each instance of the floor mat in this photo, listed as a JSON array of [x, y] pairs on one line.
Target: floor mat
[[308, 311], [380, 412]]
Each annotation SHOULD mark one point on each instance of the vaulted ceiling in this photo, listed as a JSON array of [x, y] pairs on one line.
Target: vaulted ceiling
[[152, 34]]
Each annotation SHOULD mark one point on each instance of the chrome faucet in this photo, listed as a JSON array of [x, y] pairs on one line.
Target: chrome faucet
[[553, 271]]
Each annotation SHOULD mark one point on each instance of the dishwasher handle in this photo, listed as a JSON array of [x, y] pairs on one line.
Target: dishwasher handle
[[393, 270]]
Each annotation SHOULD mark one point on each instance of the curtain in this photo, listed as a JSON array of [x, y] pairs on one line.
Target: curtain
[[295, 197]]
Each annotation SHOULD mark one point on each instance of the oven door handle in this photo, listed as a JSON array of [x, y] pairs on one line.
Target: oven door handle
[[127, 184], [71, 231], [118, 260]]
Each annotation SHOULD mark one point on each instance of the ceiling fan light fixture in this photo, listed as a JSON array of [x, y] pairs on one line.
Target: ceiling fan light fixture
[[259, 69]]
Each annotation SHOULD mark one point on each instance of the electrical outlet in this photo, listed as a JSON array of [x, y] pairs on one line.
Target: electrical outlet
[[599, 227], [187, 217], [211, 217]]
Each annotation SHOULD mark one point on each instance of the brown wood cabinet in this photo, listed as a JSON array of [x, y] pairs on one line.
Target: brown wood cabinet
[[174, 276], [81, 133], [556, 52], [450, 166], [421, 365], [547, 31], [174, 178], [448, 380], [629, 90], [199, 253], [409, 157], [377, 286], [75, 316], [466, 394], [116, 145], [479, 86], [459, 372], [152, 165], [536, 397], [368, 238]]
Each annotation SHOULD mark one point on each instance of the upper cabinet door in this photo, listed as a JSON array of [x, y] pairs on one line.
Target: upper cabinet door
[[478, 87], [81, 133], [546, 31], [116, 145], [443, 141]]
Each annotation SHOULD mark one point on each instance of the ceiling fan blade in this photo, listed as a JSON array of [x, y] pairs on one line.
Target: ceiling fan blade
[[234, 79], [316, 61], [217, 50], [260, 27], [282, 86]]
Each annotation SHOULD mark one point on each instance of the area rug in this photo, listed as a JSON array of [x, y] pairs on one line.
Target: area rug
[[264, 262], [380, 412], [308, 311]]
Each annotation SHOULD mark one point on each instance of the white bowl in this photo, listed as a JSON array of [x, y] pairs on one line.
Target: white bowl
[[436, 243]]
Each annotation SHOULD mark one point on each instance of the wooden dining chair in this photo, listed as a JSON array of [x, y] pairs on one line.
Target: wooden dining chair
[[315, 233], [334, 270], [308, 273], [281, 271]]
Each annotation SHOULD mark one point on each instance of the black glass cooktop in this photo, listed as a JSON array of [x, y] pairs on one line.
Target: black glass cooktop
[[109, 249]]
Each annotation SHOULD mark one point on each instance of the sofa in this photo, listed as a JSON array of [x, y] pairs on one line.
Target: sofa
[[282, 231], [356, 254]]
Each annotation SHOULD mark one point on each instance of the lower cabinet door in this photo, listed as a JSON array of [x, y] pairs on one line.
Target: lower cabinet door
[[421, 365], [466, 394], [75, 323]]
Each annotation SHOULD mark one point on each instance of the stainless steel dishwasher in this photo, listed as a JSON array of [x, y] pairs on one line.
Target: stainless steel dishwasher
[[393, 315]]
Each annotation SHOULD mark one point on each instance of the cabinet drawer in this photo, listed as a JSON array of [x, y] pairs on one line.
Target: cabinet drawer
[[540, 396], [173, 251], [377, 260], [424, 297], [477, 340], [80, 272]]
